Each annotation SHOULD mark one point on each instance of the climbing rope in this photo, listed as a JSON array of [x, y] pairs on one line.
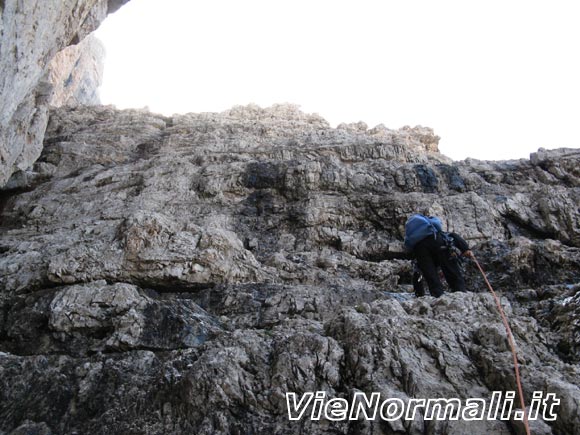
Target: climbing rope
[[511, 343]]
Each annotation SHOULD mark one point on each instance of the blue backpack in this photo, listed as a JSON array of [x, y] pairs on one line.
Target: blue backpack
[[419, 227]]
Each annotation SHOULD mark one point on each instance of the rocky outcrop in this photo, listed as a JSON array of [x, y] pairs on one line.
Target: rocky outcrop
[[76, 73], [32, 33], [181, 274]]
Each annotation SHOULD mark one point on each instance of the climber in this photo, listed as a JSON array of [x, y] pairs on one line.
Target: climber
[[433, 248]]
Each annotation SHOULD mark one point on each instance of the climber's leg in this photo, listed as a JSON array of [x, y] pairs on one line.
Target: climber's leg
[[428, 266]]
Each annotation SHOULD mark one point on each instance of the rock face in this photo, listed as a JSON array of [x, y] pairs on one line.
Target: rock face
[[76, 73], [32, 32], [181, 274]]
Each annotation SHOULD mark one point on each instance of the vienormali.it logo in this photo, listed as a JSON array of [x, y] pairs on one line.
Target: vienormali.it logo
[[316, 405]]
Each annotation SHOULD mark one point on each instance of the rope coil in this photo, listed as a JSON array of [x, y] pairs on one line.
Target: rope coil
[[511, 344]]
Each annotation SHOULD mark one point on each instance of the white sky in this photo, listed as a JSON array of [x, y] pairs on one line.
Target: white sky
[[495, 79]]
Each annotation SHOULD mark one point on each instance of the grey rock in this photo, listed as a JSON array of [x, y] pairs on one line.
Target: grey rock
[[31, 34], [181, 274], [32, 428], [76, 73], [97, 317]]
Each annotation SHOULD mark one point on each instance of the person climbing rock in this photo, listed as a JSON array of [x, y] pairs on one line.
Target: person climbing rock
[[432, 249]]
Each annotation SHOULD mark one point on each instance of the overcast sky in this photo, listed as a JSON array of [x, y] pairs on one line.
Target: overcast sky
[[494, 79]]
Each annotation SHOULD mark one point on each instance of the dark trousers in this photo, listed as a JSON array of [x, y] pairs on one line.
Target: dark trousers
[[432, 253]]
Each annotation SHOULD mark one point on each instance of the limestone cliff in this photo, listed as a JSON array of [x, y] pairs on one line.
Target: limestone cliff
[[76, 73], [181, 274], [32, 32]]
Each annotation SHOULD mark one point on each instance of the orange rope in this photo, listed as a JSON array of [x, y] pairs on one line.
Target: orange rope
[[511, 343]]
